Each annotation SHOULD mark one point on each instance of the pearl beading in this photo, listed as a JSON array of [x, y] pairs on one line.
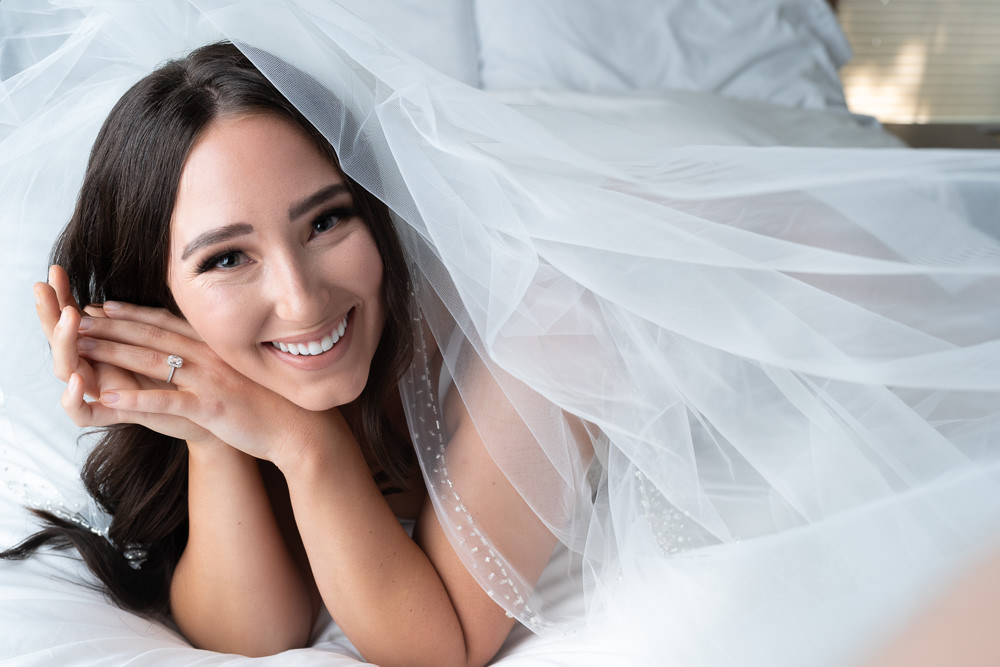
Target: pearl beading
[[20, 489], [487, 565]]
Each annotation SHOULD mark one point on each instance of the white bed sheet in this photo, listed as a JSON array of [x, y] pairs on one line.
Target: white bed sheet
[[780, 51], [49, 617], [670, 119]]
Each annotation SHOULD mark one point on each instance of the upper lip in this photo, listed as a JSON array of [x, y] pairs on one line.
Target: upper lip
[[316, 334]]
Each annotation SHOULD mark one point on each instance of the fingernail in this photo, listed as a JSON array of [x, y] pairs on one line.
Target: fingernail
[[112, 305], [109, 397], [85, 344], [86, 323]]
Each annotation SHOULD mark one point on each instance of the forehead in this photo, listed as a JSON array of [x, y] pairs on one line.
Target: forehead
[[247, 169]]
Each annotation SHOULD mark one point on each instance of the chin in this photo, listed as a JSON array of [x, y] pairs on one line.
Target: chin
[[318, 406], [326, 401]]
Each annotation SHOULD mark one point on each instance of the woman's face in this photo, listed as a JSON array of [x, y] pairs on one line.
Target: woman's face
[[270, 264]]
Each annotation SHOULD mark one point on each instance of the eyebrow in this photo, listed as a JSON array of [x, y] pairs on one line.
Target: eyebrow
[[217, 235], [302, 207], [227, 232]]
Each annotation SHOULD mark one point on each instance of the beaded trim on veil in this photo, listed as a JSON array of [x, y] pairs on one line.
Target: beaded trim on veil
[[422, 398]]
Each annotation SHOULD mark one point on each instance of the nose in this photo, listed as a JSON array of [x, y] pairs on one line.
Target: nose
[[298, 294]]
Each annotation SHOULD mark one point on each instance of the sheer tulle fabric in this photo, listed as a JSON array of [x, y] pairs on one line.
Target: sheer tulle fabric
[[753, 392]]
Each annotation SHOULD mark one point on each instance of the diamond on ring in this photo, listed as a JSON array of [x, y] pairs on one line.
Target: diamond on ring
[[174, 362]]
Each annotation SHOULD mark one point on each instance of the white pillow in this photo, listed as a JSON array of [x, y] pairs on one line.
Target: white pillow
[[782, 51], [442, 33]]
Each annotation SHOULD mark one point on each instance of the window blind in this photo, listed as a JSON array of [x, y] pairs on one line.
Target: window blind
[[921, 61]]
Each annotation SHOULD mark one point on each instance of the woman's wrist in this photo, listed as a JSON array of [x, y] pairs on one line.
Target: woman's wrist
[[213, 450], [312, 444]]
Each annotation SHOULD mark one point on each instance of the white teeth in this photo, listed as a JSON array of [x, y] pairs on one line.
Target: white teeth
[[312, 348]]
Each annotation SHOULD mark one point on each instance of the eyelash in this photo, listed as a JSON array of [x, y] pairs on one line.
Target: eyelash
[[212, 262], [337, 214]]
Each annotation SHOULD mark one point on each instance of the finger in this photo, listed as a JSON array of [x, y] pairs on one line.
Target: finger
[[59, 280], [82, 412], [149, 362], [99, 413], [137, 334], [107, 375], [158, 317], [66, 358], [47, 308], [63, 339], [148, 401], [95, 310], [161, 410]]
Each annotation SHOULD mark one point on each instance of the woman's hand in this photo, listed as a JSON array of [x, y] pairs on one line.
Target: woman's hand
[[119, 353], [60, 315], [66, 328], [205, 394]]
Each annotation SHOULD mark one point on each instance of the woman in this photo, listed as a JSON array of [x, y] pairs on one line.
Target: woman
[[788, 396], [274, 324]]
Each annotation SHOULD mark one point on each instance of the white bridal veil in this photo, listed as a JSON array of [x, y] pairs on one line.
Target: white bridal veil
[[754, 392]]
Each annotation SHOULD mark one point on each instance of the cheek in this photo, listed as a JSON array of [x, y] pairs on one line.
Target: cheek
[[374, 275], [219, 319], [365, 269]]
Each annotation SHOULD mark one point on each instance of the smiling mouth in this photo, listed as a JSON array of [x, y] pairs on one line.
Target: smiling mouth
[[315, 347]]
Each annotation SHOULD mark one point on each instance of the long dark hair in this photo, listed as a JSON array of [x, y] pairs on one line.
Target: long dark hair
[[116, 247]]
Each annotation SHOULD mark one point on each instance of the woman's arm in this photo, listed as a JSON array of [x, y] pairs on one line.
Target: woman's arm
[[403, 601], [237, 587], [378, 584]]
